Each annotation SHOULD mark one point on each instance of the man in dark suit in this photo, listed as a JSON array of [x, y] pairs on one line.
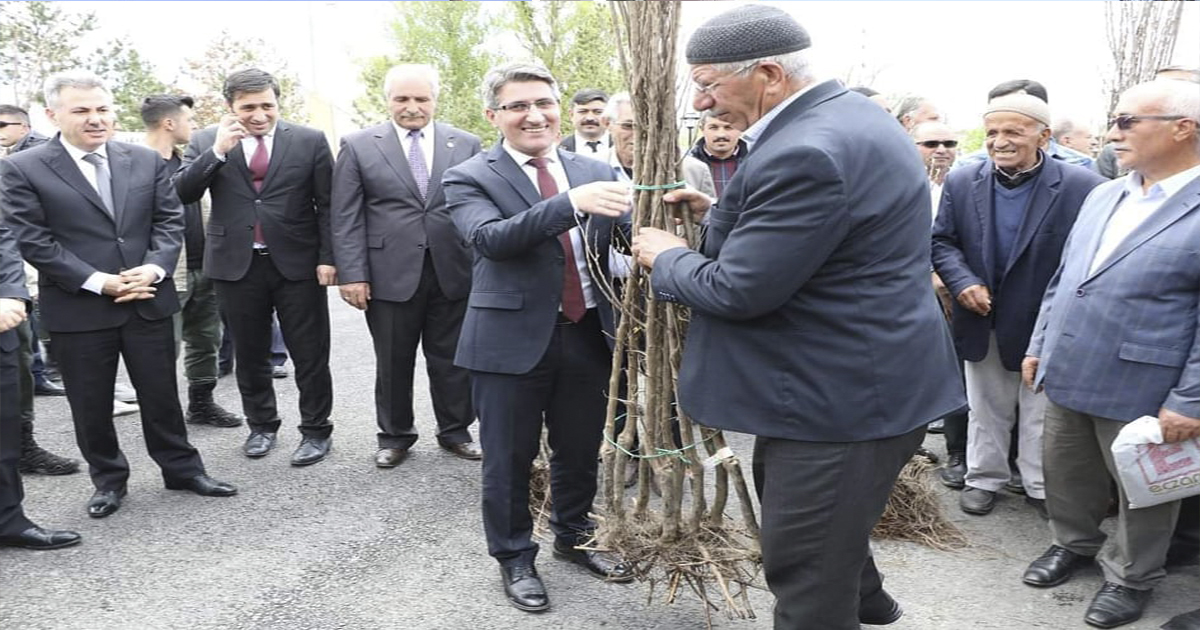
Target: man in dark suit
[[16, 530], [268, 248], [812, 293], [400, 259], [101, 223], [591, 127], [535, 332], [999, 233]]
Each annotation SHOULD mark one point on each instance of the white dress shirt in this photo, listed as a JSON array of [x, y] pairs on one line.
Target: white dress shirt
[[602, 149], [426, 143], [1135, 208], [250, 145], [575, 233], [95, 282]]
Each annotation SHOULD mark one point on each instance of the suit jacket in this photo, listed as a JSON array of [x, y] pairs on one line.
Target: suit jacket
[[1122, 342], [812, 314], [381, 226], [64, 230], [31, 139], [293, 205], [12, 281], [964, 248], [516, 286]]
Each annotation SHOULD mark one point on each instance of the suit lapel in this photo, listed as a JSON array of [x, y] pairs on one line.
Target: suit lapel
[[120, 167], [1173, 209], [981, 191], [393, 153], [443, 147], [61, 163], [504, 166], [1045, 193], [237, 157], [279, 149]]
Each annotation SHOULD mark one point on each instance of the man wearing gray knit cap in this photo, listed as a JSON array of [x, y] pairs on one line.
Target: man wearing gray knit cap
[[997, 239], [812, 287]]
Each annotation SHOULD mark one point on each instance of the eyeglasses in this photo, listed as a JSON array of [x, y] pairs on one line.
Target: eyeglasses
[[933, 144], [522, 107], [9, 124], [708, 89], [1126, 122], [627, 125]]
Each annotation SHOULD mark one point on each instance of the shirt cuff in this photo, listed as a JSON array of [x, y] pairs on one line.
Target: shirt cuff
[[158, 271], [95, 283], [220, 156]]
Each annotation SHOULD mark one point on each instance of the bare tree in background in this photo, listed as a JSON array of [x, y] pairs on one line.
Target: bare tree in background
[[1141, 37]]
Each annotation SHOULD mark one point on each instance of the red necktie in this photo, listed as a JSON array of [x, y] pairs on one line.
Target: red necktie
[[258, 172], [573, 305]]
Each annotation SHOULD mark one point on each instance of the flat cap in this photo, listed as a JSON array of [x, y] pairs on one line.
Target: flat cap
[[748, 32], [1021, 103]]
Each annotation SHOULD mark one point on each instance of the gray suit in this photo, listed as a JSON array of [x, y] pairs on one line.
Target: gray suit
[[419, 271], [1115, 345]]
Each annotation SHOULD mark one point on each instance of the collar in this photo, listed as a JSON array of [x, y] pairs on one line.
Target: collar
[[1020, 177], [270, 135], [580, 141], [1168, 186], [751, 135], [737, 147], [77, 153], [426, 131], [522, 159]]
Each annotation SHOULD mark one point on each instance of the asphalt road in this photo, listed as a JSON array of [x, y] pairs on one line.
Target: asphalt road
[[343, 545]]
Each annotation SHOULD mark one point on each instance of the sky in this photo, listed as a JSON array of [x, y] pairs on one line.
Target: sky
[[949, 52]]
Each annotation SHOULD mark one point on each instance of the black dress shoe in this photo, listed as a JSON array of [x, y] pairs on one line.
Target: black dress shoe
[[41, 539], [1186, 621], [464, 450], [258, 444], [1116, 605], [390, 457], [278, 371], [1039, 506], [977, 501], [1054, 567], [203, 485], [46, 387], [954, 473], [879, 609], [524, 588], [311, 450], [600, 564], [1015, 484], [105, 503]]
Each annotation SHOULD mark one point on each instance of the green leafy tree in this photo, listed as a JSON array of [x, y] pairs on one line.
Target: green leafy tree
[[38, 39], [972, 141], [226, 54], [449, 36], [130, 77]]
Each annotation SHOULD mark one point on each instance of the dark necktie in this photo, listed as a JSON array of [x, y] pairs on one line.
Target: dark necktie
[[103, 180], [258, 172], [594, 145], [573, 305], [416, 162]]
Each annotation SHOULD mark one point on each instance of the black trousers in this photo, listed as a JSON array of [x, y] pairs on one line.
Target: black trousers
[[819, 503], [12, 518], [88, 361], [303, 312], [566, 391], [434, 322]]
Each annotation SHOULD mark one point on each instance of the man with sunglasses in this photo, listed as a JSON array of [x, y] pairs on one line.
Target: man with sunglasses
[[999, 232], [15, 133], [1117, 339]]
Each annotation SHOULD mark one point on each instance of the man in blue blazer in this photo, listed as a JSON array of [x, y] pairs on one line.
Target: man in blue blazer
[[812, 294], [1117, 339], [538, 324], [999, 233]]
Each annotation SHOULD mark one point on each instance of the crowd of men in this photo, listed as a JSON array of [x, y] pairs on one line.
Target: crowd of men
[[1061, 305]]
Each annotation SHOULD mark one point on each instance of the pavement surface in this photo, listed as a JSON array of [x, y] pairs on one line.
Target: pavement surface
[[343, 545]]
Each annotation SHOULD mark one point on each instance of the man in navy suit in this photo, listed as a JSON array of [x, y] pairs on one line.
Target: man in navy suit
[[102, 224], [812, 294], [999, 233], [1117, 339], [538, 324]]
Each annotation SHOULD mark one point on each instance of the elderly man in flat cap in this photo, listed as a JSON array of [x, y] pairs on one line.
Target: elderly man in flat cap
[[812, 292], [998, 236]]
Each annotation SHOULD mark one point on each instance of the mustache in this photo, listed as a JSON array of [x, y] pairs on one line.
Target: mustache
[[721, 139], [589, 121]]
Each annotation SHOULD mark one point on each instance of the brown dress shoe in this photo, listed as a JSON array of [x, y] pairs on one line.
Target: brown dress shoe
[[390, 457], [465, 450]]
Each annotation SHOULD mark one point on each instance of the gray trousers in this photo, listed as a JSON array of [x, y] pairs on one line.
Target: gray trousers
[[1079, 470], [999, 401]]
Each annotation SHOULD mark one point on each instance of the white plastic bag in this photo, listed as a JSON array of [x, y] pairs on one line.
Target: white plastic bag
[[1153, 472]]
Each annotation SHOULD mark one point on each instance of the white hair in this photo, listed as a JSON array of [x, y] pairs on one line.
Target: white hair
[[613, 107], [795, 65], [1175, 98], [79, 79], [422, 70]]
